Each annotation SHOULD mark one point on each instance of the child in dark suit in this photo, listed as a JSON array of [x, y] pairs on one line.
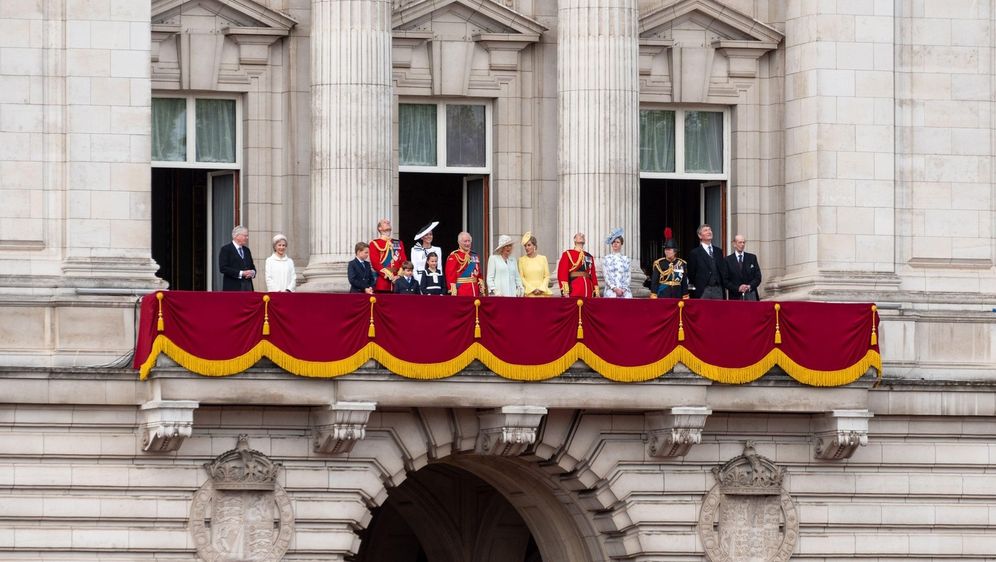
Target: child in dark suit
[[406, 284], [359, 271]]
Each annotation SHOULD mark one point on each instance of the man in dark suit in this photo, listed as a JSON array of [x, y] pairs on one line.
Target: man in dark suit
[[235, 262], [359, 271], [707, 268], [745, 272]]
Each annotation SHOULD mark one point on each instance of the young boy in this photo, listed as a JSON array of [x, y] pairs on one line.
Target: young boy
[[433, 281], [406, 283], [361, 275]]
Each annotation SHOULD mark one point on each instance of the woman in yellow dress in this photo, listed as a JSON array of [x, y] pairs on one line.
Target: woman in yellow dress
[[534, 269]]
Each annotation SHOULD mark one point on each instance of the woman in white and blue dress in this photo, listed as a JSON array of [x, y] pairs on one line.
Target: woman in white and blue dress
[[616, 268], [423, 247]]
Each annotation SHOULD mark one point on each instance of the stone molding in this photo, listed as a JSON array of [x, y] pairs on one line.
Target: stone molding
[[341, 425], [509, 430], [165, 424], [672, 432], [838, 433]]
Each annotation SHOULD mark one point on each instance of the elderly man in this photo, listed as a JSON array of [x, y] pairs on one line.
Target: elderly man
[[235, 262], [745, 272], [386, 254], [463, 269], [576, 271], [707, 268]]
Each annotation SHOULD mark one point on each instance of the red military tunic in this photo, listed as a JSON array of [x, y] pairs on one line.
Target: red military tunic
[[576, 274], [386, 257], [463, 274]]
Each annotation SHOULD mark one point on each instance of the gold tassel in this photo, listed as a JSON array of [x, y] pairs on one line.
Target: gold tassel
[[477, 319], [778, 326], [580, 327], [160, 325], [371, 332], [874, 338], [266, 315], [681, 321]]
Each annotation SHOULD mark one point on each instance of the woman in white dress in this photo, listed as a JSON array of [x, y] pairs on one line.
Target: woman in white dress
[[503, 272], [280, 268], [616, 268], [423, 247]]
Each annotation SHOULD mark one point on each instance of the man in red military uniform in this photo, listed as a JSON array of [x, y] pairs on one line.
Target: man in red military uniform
[[576, 271], [463, 269], [386, 256]]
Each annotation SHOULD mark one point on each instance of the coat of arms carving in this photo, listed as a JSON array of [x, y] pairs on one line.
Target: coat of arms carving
[[241, 513], [748, 516]]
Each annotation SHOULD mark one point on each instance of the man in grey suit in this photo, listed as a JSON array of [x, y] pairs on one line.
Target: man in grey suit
[[745, 272]]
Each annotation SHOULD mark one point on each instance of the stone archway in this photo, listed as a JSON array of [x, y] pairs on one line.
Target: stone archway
[[486, 509]]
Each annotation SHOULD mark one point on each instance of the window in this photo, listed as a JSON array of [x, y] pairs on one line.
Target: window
[[444, 137], [683, 143], [190, 132]]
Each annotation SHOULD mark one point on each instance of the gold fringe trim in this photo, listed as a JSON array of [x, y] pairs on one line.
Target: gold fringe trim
[[513, 371]]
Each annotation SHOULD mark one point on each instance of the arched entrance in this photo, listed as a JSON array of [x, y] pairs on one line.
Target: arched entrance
[[480, 509]]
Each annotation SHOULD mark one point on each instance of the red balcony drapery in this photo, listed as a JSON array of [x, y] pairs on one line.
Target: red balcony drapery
[[329, 335]]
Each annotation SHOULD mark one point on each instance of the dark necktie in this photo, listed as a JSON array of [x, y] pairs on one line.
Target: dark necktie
[[241, 255], [740, 262], [709, 250]]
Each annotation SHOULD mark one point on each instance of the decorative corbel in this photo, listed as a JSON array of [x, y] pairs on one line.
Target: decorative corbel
[[671, 433], [504, 48], [338, 428], [837, 434], [743, 55], [509, 430], [160, 32], [165, 424], [254, 42], [649, 49]]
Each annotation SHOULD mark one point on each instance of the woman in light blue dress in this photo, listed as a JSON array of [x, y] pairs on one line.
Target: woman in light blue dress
[[616, 268]]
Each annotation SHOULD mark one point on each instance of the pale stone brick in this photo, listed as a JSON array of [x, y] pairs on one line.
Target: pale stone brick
[[78, 34], [158, 539], [33, 538], [936, 543], [855, 165], [837, 83], [110, 35], [854, 514], [90, 175], [88, 62], [109, 148], [21, 61], [14, 89], [873, 84], [88, 9], [89, 119], [110, 91], [894, 544], [129, 64], [100, 538]]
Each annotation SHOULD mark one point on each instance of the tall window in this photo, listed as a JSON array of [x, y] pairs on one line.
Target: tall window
[[189, 132], [683, 144], [444, 137]]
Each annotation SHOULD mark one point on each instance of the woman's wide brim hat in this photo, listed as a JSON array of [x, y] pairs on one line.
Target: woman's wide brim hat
[[278, 238], [617, 233], [503, 240], [426, 229]]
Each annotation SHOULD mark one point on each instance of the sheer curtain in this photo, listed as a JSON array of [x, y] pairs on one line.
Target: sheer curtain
[[215, 130], [656, 141], [417, 134], [704, 141], [466, 135], [169, 129]]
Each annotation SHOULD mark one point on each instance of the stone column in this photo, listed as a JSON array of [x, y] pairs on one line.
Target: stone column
[[351, 110], [599, 103]]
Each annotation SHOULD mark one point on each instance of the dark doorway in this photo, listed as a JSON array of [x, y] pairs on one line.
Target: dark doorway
[[457, 201], [442, 513], [193, 213], [678, 204]]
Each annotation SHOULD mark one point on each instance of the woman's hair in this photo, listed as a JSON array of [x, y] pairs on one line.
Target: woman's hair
[[620, 239], [532, 240]]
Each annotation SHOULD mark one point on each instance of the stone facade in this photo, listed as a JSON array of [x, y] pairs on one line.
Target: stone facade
[[858, 162]]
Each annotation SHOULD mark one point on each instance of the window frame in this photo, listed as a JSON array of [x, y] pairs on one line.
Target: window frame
[[679, 143], [191, 161], [441, 167]]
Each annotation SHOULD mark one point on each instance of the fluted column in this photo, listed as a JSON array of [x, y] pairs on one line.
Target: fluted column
[[599, 104], [351, 135]]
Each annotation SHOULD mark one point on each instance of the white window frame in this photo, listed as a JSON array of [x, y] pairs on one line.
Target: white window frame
[[441, 167], [191, 161], [679, 144]]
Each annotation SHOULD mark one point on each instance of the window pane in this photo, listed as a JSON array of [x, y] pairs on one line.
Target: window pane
[[216, 130], [465, 136], [169, 129], [704, 142], [657, 141], [417, 134]]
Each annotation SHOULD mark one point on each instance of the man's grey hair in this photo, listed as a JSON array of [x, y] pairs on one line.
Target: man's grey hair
[[464, 233], [239, 229], [699, 230]]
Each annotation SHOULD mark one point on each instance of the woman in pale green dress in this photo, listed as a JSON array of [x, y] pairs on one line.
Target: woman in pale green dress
[[503, 275]]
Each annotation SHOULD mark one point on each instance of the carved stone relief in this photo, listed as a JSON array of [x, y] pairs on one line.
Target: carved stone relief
[[241, 513], [748, 516]]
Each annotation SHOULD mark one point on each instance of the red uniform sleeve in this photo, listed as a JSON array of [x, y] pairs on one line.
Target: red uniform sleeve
[[450, 271], [563, 273], [594, 275]]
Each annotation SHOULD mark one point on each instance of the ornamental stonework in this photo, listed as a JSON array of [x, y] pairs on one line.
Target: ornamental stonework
[[748, 516], [241, 513]]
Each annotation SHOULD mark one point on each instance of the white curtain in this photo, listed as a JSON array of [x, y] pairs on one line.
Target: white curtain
[[466, 136], [169, 129], [704, 142], [417, 134], [656, 141], [215, 130]]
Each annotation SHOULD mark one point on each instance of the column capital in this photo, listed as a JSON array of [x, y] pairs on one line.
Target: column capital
[[165, 424], [672, 432], [838, 433], [341, 425]]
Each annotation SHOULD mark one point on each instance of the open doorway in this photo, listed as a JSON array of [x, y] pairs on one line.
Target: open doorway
[[193, 213], [682, 205], [459, 202]]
